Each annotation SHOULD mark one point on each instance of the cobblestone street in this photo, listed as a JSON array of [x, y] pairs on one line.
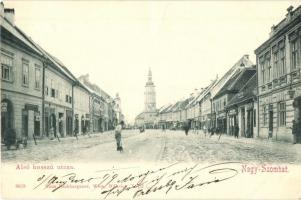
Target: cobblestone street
[[156, 146]]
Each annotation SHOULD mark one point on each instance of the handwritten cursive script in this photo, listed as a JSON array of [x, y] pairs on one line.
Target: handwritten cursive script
[[170, 178]]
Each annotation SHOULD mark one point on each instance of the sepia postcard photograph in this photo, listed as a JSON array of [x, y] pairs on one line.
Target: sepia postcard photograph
[[150, 99]]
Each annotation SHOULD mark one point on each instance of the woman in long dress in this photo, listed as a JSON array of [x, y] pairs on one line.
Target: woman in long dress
[[118, 130]]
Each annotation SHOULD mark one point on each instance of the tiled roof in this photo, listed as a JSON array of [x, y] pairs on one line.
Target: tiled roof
[[14, 31], [248, 91], [53, 59], [235, 83], [241, 64], [19, 34], [140, 116], [206, 90]]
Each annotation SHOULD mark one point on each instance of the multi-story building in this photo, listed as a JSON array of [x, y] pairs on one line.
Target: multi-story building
[[205, 107], [103, 108], [279, 78], [218, 100], [39, 95], [192, 109], [21, 80], [81, 108], [58, 98], [221, 99], [242, 109]]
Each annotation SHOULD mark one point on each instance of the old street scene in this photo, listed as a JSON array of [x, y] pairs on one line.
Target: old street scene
[[150, 85]]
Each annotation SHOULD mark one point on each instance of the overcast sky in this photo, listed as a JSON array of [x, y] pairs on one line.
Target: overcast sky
[[186, 44]]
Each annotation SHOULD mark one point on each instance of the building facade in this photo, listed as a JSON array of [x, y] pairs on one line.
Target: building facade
[[225, 89], [81, 109], [21, 81], [279, 78], [242, 110], [58, 101], [40, 96]]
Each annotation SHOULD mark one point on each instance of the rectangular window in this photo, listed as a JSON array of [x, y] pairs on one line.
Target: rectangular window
[[25, 73], [276, 64], [269, 69], [281, 114], [294, 54], [46, 90], [282, 61], [38, 78], [262, 71], [67, 98], [53, 93], [6, 67]]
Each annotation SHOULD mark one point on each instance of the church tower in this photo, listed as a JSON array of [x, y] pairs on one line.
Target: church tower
[[150, 94]]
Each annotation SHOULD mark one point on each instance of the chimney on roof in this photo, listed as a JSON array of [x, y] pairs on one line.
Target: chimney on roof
[[9, 14], [273, 28], [289, 13], [2, 9]]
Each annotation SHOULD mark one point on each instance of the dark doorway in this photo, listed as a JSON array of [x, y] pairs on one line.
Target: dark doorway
[[99, 124], [250, 123], [25, 123], [243, 133], [271, 121], [69, 122], [53, 123], [7, 116], [76, 124], [61, 117], [297, 118], [46, 124], [37, 124], [83, 124]]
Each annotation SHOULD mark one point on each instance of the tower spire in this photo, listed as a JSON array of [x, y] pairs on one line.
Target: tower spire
[[149, 75]]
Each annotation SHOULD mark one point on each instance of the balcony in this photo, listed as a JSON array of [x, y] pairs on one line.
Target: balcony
[[295, 75], [276, 82], [283, 79]]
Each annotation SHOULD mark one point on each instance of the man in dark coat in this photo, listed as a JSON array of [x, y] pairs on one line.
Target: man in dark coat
[[186, 128], [236, 130]]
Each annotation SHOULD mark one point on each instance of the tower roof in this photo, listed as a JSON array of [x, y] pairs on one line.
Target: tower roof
[[150, 79]]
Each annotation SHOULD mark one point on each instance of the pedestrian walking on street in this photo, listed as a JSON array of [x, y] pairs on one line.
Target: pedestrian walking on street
[[236, 130], [186, 128], [118, 130]]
